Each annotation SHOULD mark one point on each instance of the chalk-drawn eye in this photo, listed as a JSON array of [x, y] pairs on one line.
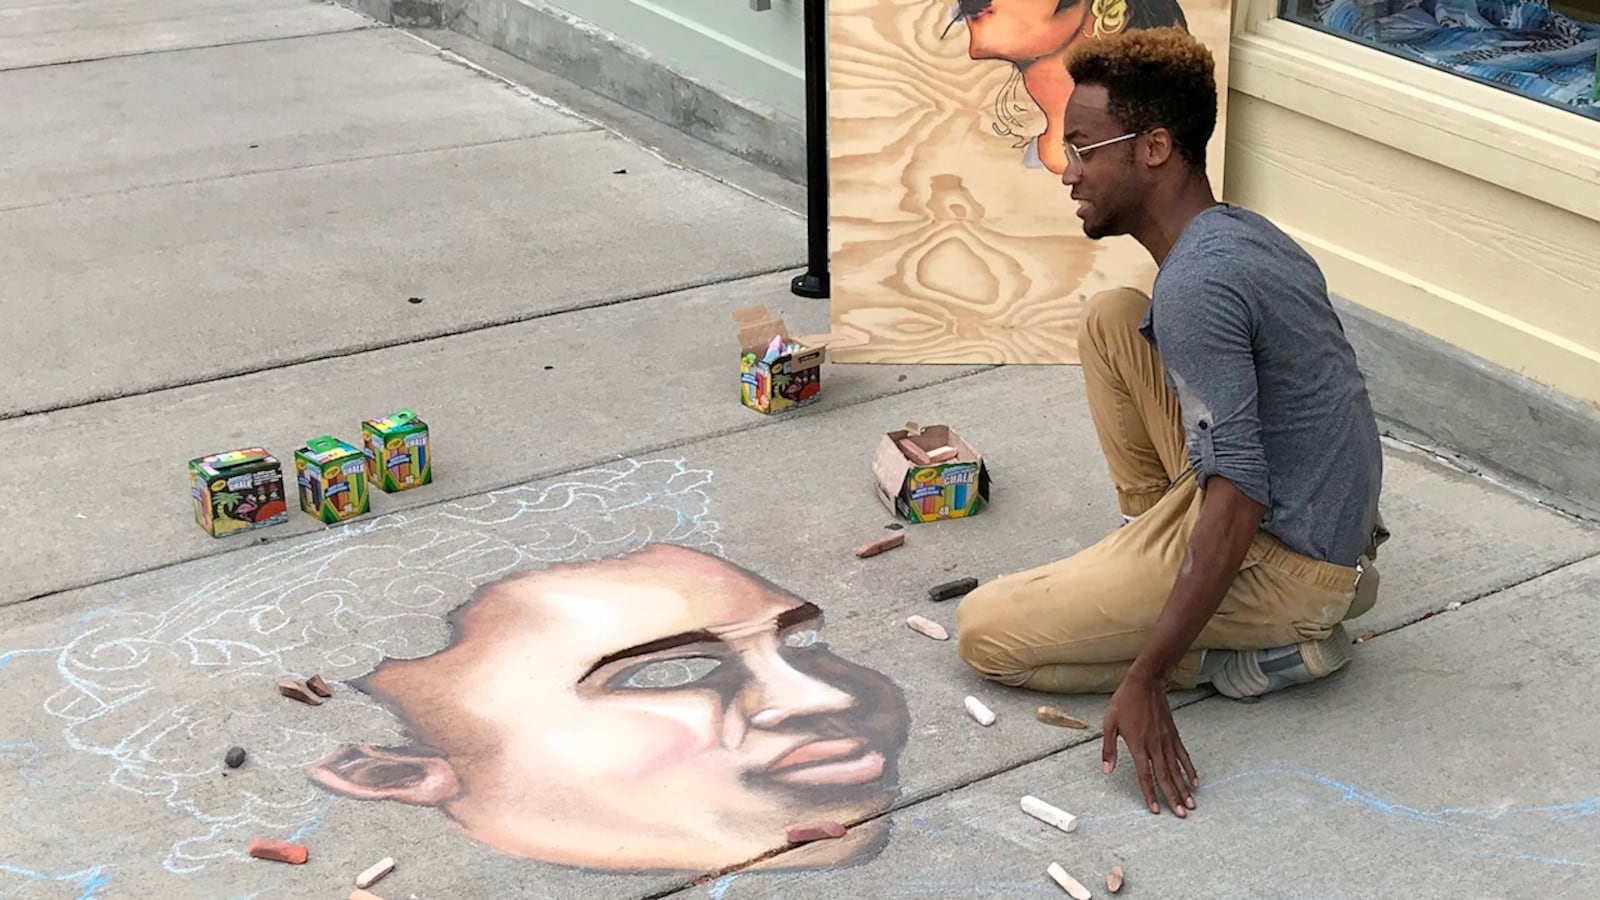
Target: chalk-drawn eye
[[665, 674], [801, 638]]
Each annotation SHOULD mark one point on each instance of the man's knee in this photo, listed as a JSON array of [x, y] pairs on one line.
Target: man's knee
[[984, 636], [1113, 311]]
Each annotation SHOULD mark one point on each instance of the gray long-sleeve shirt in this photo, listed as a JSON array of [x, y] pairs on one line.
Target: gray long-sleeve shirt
[[1272, 398]]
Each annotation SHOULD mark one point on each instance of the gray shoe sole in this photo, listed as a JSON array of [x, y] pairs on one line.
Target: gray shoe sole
[[1243, 678], [1329, 655]]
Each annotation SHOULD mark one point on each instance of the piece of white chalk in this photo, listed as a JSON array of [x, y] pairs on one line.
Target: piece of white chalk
[[371, 876], [1048, 814], [978, 711], [1069, 884]]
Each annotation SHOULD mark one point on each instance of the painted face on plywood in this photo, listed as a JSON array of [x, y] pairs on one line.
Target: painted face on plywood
[[661, 711], [1036, 36], [1019, 30]]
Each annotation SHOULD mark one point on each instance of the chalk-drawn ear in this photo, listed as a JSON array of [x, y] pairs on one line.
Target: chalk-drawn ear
[[412, 775]]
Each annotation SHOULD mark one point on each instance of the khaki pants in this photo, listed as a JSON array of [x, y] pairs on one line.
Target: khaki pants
[[1075, 625]]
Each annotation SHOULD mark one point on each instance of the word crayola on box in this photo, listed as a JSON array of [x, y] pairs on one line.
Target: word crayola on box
[[397, 451], [777, 372], [333, 479], [236, 491], [929, 474]]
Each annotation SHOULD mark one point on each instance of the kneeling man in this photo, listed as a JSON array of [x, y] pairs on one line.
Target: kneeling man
[[1235, 423]]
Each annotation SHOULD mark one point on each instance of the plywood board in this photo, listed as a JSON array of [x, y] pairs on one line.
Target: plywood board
[[951, 237]]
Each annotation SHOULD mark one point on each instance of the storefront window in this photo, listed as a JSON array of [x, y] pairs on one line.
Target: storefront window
[[1543, 49]]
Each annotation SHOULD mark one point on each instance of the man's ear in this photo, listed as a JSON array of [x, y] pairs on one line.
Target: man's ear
[[1160, 149], [412, 775]]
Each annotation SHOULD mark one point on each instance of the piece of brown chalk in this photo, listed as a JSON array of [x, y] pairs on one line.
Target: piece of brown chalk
[[887, 542], [1114, 879], [372, 875], [1052, 716], [294, 690], [318, 686], [817, 831], [359, 894], [928, 627], [913, 452], [278, 851]]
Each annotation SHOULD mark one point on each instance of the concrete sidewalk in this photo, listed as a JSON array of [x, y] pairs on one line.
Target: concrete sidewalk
[[218, 216]]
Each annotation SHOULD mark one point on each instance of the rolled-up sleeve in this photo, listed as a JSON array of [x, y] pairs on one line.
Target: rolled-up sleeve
[[1205, 332]]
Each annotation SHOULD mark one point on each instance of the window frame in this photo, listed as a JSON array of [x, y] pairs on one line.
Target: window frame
[[1490, 133]]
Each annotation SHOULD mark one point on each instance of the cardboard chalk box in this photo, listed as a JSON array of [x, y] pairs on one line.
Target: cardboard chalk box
[[778, 372], [236, 491], [333, 479], [927, 474], [397, 452]]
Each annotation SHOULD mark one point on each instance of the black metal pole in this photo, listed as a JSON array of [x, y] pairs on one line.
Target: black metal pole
[[814, 282]]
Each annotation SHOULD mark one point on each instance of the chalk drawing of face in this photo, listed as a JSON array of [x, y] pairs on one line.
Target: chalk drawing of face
[[661, 710]]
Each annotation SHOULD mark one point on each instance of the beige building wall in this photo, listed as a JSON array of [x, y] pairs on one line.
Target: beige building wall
[[1461, 209]]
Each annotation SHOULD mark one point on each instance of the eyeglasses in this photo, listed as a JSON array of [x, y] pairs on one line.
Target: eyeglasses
[[1075, 153]]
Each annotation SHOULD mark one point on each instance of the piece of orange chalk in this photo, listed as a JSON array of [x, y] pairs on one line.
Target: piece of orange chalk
[[278, 851]]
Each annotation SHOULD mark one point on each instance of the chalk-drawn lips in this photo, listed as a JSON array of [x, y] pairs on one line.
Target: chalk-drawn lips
[[824, 762]]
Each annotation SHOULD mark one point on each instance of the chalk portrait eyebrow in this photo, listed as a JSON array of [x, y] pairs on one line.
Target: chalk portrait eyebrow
[[790, 617]]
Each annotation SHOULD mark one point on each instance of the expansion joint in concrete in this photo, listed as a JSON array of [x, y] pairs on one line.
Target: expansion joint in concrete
[[409, 339], [187, 48]]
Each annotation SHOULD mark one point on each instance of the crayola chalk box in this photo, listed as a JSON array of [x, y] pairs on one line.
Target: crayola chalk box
[[333, 479], [236, 491], [939, 477], [397, 452], [777, 372]]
